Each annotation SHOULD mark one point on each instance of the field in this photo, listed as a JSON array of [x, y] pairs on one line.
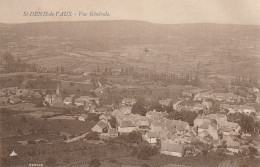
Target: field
[[219, 49]]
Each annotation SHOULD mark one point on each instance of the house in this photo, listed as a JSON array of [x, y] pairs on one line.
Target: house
[[128, 101], [213, 130], [187, 94], [90, 99], [203, 134], [246, 109], [52, 98], [207, 104], [68, 100], [228, 128], [105, 116], [112, 132], [172, 149], [152, 137], [203, 127], [232, 145], [101, 127], [166, 103], [157, 126], [218, 117], [79, 102], [181, 126], [126, 126], [59, 104], [155, 114], [201, 119]]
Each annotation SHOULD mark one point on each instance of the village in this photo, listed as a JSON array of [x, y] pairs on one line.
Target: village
[[199, 120]]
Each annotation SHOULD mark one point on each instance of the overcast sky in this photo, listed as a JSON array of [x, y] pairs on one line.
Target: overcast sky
[[156, 11]]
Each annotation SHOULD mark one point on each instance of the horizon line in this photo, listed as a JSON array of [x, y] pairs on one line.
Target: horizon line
[[239, 24]]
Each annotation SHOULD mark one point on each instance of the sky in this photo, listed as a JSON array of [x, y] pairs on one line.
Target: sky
[[156, 11]]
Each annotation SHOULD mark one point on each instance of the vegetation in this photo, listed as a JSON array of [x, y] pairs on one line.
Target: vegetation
[[92, 136], [145, 151], [246, 122], [186, 116], [139, 107]]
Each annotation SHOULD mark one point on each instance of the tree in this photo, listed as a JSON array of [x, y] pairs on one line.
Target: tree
[[146, 151], [139, 108], [92, 136], [113, 122]]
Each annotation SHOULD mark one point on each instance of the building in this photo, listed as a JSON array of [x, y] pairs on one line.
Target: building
[[79, 102], [68, 100], [52, 98], [173, 149], [152, 137], [128, 102], [126, 126], [101, 127], [166, 103]]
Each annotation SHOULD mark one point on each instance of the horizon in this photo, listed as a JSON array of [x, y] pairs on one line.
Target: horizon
[[235, 24], [237, 12]]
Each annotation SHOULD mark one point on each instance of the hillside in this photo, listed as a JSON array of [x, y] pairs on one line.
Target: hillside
[[212, 43]]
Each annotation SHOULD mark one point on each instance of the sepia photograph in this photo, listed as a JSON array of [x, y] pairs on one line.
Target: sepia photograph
[[130, 83]]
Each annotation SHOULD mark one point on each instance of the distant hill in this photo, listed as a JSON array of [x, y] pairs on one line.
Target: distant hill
[[111, 34], [180, 48]]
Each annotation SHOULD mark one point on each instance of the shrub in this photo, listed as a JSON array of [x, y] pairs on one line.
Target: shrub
[[92, 136]]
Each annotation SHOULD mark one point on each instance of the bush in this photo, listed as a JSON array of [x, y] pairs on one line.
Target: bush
[[92, 136], [146, 151]]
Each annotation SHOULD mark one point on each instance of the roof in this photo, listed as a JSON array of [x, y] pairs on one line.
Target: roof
[[128, 100], [112, 131], [79, 100], [153, 135], [68, 99], [205, 125], [127, 123], [102, 124], [166, 102], [216, 116]]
